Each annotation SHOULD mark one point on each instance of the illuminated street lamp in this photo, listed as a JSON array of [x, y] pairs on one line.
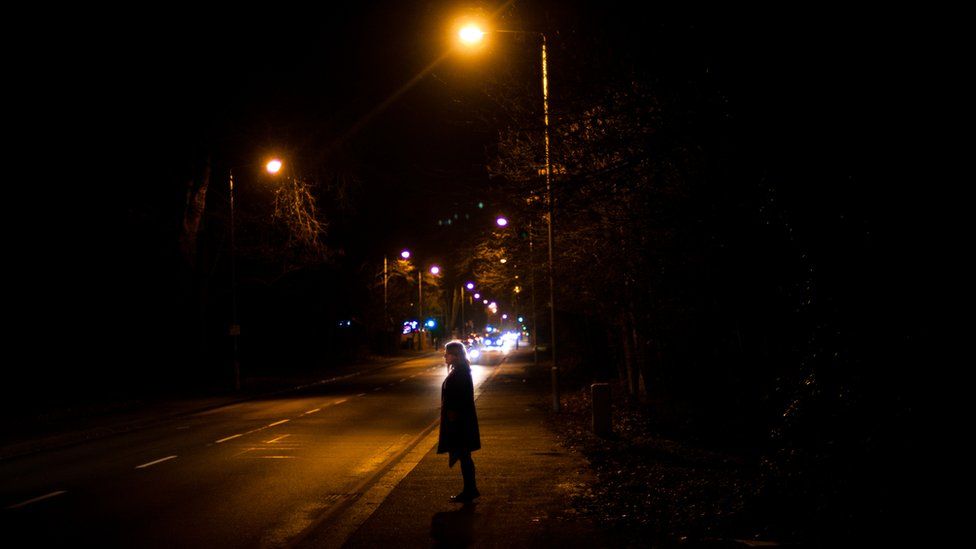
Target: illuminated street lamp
[[477, 296], [469, 285], [434, 270], [273, 167], [501, 221], [472, 35]]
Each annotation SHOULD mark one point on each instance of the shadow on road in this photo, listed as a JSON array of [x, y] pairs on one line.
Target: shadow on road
[[454, 528]]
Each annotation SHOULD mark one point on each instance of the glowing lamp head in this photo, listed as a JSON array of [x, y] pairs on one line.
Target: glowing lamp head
[[469, 285], [405, 254], [501, 221], [477, 296], [435, 270], [273, 166], [470, 34]]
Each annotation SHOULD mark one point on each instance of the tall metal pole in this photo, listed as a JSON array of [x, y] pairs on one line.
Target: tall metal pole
[[420, 307], [386, 317], [552, 299], [462, 296], [235, 329], [535, 315]]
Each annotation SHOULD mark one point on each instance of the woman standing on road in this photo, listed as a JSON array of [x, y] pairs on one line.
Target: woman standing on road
[[459, 435]]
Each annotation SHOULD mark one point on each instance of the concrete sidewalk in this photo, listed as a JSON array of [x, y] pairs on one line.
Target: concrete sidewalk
[[527, 481]]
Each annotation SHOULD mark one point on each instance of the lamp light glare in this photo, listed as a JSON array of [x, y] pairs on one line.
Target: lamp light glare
[[471, 34]]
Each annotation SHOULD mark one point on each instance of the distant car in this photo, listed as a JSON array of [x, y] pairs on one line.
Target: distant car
[[493, 343]]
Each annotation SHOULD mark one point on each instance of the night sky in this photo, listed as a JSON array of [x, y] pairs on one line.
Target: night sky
[[128, 106]]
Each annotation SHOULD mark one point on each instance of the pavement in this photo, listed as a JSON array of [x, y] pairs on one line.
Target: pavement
[[73, 424], [526, 479]]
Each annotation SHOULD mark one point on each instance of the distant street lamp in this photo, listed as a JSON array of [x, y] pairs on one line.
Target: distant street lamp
[[272, 167], [472, 35], [434, 270], [501, 221]]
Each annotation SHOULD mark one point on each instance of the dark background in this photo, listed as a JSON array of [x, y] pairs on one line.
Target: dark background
[[826, 123]]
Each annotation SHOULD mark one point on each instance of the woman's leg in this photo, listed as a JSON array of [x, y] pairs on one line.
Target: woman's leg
[[467, 471]]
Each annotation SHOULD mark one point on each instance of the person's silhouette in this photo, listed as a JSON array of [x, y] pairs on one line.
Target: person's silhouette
[[459, 434]]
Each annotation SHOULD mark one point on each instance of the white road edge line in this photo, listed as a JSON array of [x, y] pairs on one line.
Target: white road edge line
[[228, 438], [277, 439], [35, 500], [341, 401], [311, 411], [279, 422], [151, 463], [361, 394]]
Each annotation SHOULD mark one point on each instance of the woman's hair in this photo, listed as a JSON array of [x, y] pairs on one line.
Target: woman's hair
[[457, 348]]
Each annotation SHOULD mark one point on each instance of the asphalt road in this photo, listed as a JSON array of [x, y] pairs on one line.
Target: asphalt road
[[256, 473]]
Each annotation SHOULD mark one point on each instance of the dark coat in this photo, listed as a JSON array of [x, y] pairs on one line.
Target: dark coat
[[460, 434]]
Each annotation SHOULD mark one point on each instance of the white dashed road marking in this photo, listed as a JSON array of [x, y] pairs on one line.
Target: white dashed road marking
[[151, 463], [35, 500], [228, 438]]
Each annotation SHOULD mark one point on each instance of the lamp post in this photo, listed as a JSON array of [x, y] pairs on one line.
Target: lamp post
[[273, 167], [471, 35], [434, 270]]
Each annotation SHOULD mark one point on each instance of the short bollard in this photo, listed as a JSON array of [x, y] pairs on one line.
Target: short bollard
[[600, 393]]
